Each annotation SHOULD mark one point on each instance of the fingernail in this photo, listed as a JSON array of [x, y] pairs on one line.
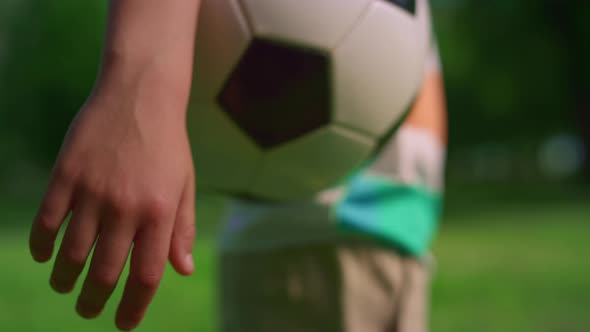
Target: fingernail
[[190, 263]]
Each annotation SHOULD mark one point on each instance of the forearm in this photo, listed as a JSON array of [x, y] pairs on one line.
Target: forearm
[[148, 53]]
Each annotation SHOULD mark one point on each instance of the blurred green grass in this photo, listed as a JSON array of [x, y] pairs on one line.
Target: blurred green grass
[[514, 268], [27, 305], [501, 267]]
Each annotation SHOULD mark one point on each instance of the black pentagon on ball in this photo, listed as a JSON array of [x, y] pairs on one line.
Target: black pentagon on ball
[[278, 92], [408, 5]]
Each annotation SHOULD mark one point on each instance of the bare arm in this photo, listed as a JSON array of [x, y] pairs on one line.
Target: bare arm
[[148, 51], [429, 111], [125, 172]]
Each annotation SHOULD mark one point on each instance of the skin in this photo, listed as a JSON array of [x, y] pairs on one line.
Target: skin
[[125, 172], [429, 112]]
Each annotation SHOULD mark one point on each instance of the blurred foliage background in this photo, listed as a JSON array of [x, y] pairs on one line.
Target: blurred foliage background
[[517, 77], [512, 244]]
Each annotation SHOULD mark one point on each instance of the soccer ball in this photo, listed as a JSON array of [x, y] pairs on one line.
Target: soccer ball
[[291, 96]]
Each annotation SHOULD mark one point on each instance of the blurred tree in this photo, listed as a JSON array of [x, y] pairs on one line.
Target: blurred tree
[[47, 70], [572, 22], [503, 65], [515, 70]]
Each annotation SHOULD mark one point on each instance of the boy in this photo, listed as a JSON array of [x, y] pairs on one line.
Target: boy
[[125, 175], [354, 259]]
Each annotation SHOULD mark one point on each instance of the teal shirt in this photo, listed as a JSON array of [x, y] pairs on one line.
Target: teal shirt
[[400, 215]]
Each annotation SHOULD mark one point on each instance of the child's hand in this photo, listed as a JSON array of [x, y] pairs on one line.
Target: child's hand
[[125, 173]]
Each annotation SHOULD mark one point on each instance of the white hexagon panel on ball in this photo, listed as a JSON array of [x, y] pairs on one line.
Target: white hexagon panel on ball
[[225, 159], [330, 154], [222, 37], [378, 67], [312, 23]]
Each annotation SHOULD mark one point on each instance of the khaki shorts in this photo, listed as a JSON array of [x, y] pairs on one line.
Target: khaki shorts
[[324, 288]]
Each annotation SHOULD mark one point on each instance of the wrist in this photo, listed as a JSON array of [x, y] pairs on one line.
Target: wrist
[[142, 85]]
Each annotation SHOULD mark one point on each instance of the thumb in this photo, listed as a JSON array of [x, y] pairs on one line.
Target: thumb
[[181, 246]]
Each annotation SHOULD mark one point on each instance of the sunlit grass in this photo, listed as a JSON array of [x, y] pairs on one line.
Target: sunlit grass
[[500, 268], [511, 269]]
